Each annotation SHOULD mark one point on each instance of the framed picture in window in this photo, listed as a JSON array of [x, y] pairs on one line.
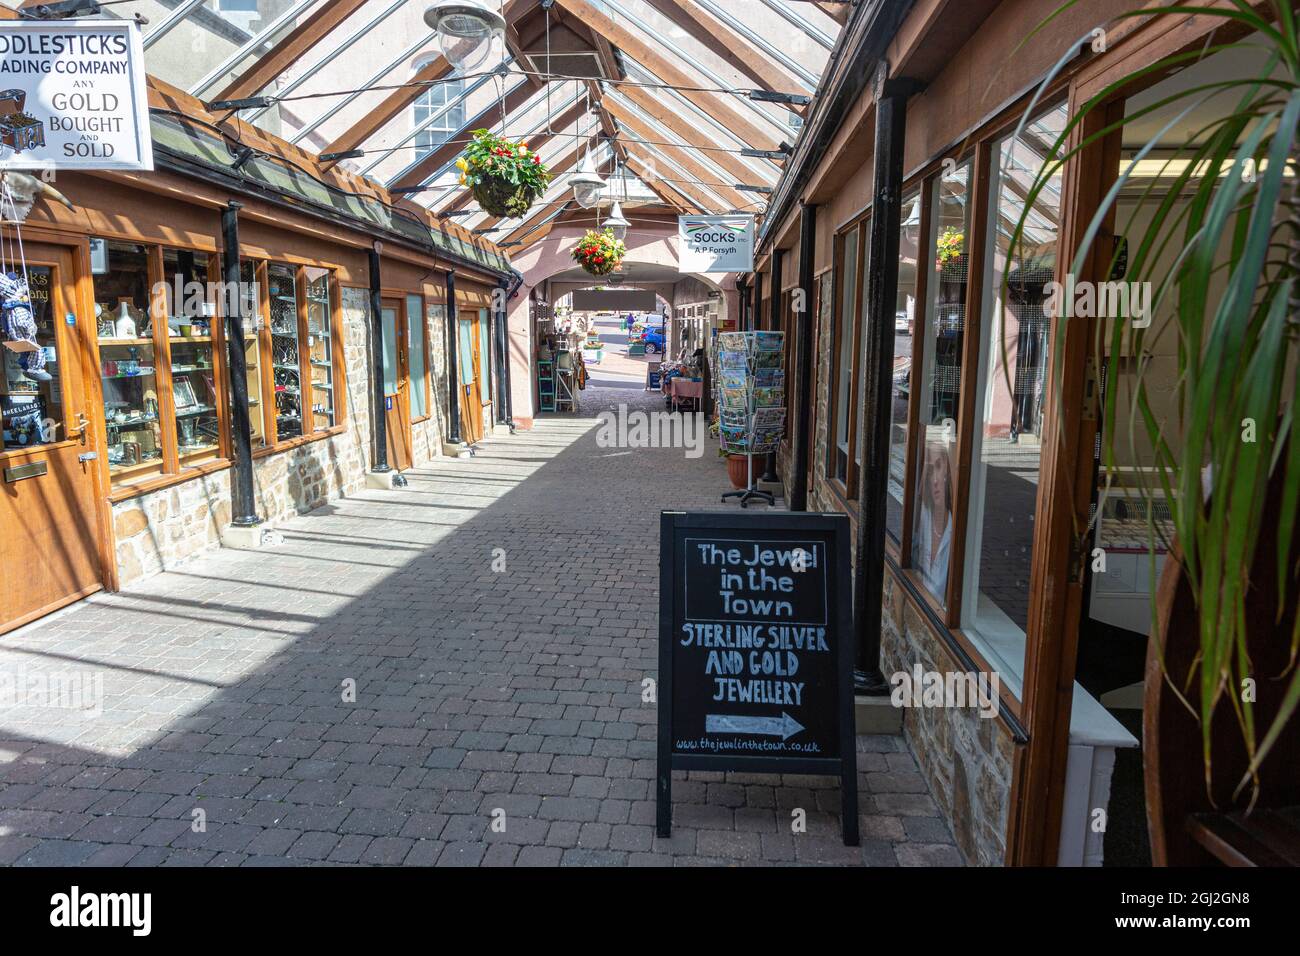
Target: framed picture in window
[[183, 394]]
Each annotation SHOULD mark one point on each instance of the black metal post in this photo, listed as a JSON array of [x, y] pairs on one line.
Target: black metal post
[[803, 319], [501, 362], [453, 377], [380, 423], [243, 503], [742, 300], [877, 365]]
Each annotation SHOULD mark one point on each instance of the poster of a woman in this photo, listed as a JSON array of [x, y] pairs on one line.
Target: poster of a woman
[[933, 533]]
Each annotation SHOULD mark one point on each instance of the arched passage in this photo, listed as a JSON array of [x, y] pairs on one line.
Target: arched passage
[[550, 272]]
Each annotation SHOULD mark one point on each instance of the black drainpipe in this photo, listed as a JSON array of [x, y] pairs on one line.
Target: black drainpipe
[[804, 320], [453, 385], [243, 505], [502, 362], [379, 424], [877, 365]]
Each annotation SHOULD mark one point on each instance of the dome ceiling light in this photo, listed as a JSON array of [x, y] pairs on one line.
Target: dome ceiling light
[[465, 30], [617, 222], [587, 184]]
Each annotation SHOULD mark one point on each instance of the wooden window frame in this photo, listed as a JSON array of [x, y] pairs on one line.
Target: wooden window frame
[[171, 469], [274, 444], [846, 487]]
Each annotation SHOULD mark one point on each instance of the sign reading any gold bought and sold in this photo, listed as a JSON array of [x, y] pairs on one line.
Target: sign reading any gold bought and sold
[[755, 650], [72, 95], [715, 243]]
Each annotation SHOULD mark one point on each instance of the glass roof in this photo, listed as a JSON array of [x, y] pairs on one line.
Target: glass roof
[[674, 90]]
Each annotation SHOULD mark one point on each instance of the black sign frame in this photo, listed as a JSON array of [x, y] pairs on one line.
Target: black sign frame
[[839, 610]]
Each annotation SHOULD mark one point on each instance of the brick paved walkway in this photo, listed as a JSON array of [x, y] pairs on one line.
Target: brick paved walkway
[[476, 690]]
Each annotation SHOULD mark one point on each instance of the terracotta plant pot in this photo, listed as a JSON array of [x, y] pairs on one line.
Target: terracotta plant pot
[[738, 471]]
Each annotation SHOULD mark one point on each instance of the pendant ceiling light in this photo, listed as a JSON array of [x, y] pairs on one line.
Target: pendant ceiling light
[[617, 222], [587, 184], [465, 30]]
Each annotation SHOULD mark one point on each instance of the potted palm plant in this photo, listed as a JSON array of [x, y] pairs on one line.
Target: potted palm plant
[[505, 177], [1222, 683]]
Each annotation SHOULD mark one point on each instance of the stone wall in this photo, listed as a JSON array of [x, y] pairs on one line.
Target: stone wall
[[965, 758], [159, 530]]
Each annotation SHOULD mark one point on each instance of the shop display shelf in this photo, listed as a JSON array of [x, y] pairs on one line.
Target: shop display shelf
[[141, 374], [115, 341], [201, 410], [128, 422]]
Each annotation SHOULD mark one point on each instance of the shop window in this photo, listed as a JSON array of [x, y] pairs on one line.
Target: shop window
[[939, 377], [31, 396], [286, 364], [1014, 349], [904, 319], [842, 374], [128, 366], [417, 347], [320, 347], [251, 291], [189, 336]]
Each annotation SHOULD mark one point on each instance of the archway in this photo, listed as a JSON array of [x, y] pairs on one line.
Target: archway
[[651, 262]]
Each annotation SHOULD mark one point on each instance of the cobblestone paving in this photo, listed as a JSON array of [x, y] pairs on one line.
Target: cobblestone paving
[[222, 687]]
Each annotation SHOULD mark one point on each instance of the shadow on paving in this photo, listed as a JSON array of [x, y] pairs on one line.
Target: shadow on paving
[[497, 621]]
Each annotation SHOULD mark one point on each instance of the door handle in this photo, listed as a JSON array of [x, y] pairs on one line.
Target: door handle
[[79, 429]]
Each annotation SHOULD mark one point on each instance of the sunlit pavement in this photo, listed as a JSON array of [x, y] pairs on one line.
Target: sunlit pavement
[[406, 667]]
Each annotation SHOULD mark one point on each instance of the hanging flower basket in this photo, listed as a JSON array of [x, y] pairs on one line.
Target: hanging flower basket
[[504, 177], [599, 253]]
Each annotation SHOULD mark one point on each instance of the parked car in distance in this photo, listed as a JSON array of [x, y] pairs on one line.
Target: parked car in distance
[[653, 339]]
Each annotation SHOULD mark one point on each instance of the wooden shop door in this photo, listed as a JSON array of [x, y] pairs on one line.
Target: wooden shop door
[[397, 402], [49, 454], [469, 369]]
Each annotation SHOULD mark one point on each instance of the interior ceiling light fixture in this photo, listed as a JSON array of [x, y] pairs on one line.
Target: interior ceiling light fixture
[[465, 31], [617, 222], [587, 184]]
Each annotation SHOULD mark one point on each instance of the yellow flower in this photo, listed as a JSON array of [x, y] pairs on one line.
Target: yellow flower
[[462, 179], [462, 165]]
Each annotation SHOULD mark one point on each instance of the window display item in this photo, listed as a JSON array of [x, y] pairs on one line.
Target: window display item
[[20, 324], [124, 327]]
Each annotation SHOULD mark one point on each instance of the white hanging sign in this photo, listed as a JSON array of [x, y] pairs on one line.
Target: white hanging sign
[[72, 95], [715, 243]]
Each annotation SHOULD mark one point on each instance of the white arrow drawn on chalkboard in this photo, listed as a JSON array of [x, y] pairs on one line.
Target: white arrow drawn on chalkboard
[[784, 726]]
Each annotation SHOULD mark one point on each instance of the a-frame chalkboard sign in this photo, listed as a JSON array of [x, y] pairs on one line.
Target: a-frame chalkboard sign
[[756, 649]]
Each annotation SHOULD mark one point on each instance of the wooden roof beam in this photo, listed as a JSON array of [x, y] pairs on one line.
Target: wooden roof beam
[[682, 158], [691, 200], [689, 133], [402, 97], [729, 46], [300, 41], [715, 104]]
